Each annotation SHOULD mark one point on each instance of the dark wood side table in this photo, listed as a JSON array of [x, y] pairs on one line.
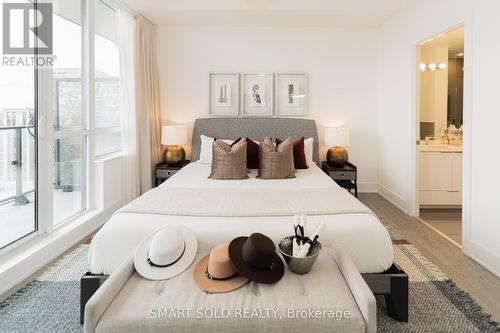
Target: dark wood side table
[[346, 175], [164, 171]]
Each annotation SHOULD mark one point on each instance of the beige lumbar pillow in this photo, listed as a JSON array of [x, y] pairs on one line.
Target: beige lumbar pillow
[[229, 162], [276, 162]]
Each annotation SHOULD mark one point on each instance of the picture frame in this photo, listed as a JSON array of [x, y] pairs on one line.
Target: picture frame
[[257, 94], [291, 94], [223, 94]]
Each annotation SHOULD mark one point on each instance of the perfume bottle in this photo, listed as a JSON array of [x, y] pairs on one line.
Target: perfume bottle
[[443, 134], [452, 133]]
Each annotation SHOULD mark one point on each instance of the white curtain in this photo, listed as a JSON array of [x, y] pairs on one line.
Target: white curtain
[[127, 37], [148, 102]]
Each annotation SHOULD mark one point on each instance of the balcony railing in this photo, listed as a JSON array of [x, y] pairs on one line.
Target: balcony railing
[[16, 161]]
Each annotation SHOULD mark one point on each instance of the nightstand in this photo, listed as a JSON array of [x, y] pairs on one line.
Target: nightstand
[[164, 171], [346, 176]]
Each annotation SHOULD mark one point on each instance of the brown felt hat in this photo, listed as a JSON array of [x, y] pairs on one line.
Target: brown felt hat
[[255, 257], [215, 273]]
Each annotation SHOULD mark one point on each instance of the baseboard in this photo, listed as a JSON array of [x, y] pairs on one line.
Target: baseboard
[[24, 261], [393, 198], [482, 256], [367, 188]]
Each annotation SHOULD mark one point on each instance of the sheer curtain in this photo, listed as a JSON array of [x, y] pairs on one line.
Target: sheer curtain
[[148, 102], [127, 33]]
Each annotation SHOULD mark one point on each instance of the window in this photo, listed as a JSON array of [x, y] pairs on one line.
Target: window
[[107, 81], [69, 115], [71, 126]]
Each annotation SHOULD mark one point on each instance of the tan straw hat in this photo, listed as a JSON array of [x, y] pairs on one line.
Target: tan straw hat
[[215, 273]]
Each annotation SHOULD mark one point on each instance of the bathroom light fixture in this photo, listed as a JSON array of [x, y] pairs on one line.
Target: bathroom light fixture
[[432, 66]]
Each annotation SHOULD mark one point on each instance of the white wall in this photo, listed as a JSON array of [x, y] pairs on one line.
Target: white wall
[[416, 22], [341, 65], [346, 68], [481, 214], [396, 109]]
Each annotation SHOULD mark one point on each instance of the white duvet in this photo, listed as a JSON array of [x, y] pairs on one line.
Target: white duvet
[[191, 199]]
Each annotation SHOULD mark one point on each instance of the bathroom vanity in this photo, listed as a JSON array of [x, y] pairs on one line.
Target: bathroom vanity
[[440, 176]]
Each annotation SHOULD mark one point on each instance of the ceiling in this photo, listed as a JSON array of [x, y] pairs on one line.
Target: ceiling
[[266, 12]]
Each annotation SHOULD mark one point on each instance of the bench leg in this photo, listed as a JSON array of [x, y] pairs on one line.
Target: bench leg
[[397, 301], [89, 284]]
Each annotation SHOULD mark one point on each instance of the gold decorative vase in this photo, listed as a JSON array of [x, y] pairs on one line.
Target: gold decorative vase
[[174, 155], [337, 155]]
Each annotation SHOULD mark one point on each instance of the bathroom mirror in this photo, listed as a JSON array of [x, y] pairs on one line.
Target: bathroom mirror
[[441, 67]]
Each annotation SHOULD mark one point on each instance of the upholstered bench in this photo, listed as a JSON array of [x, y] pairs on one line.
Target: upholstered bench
[[333, 297]]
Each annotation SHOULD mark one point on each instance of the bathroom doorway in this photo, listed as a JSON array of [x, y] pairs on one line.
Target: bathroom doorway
[[440, 129]]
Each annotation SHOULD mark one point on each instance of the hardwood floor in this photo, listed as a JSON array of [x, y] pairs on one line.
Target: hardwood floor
[[447, 221], [482, 285]]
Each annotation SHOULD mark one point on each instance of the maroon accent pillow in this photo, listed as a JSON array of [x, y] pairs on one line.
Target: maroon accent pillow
[[299, 155], [235, 142], [253, 151]]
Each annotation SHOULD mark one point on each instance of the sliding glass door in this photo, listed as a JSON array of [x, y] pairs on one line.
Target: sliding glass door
[[59, 111], [46, 95], [18, 145], [69, 113]]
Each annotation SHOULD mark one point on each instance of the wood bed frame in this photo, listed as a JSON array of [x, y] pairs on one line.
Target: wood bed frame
[[393, 284]]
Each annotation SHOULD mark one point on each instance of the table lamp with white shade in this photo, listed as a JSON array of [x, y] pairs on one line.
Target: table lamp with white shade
[[173, 137], [337, 138]]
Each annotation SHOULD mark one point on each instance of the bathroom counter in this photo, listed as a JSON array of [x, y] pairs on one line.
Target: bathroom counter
[[444, 148]]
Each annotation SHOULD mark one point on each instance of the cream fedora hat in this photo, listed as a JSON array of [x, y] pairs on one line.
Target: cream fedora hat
[[216, 274], [165, 253]]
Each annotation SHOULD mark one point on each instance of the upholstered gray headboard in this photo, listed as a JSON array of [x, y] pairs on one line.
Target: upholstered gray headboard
[[255, 129]]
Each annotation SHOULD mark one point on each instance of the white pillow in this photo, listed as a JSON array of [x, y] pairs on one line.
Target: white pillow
[[308, 150], [206, 149]]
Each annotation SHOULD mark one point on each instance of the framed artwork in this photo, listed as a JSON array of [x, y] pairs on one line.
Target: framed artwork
[[291, 91], [257, 94], [223, 92]]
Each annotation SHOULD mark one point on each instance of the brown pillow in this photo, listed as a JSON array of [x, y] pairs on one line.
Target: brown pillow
[[276, 162], [299, 155], [234, 142], [229, 162]]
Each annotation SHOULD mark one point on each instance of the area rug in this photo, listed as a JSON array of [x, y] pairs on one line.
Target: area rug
[[51, 302]]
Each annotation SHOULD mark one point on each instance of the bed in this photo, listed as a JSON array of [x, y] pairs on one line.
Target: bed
[[360, 233], [213, 209], [349, 223]]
